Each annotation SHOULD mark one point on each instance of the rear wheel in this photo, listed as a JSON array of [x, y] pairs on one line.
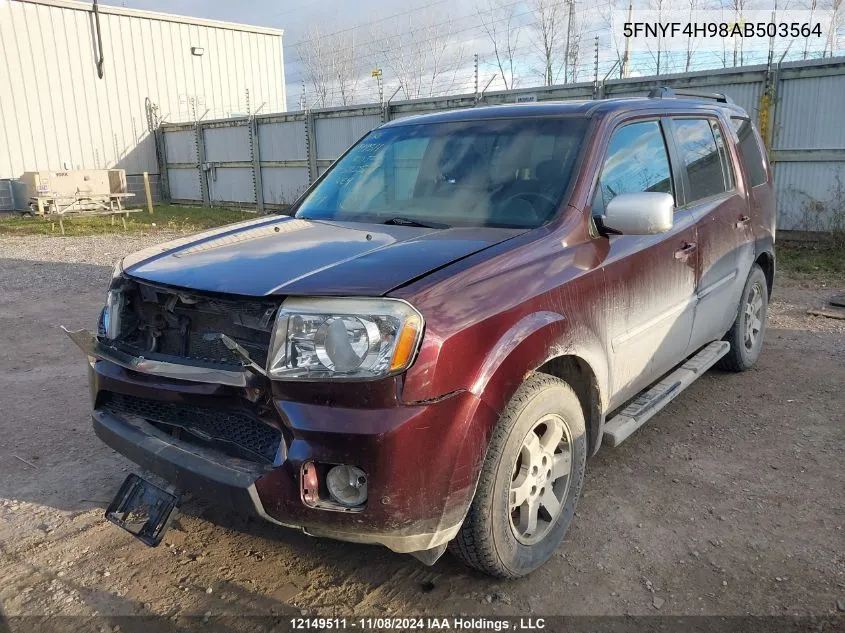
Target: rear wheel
[[530, 481], [749, 328]]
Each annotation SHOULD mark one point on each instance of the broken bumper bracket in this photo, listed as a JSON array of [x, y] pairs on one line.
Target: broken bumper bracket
[[95, 348]]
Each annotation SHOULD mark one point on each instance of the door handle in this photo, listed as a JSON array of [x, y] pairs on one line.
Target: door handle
[[743, 221], [686, 250]]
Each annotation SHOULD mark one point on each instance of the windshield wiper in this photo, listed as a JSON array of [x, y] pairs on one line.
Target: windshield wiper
[[399, 221]]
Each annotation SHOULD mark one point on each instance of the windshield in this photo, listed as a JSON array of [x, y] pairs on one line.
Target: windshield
[[501, 173]]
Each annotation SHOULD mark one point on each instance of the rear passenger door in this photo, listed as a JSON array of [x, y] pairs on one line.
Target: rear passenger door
[[718, 202], [651, 279]]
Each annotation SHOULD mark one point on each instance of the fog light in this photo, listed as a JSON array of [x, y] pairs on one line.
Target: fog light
[[347, 485]]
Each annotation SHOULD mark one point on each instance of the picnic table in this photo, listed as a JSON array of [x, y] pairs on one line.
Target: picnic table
[[56, 206]]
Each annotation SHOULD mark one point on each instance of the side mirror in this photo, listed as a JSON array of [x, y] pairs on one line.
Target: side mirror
[[643, 213]]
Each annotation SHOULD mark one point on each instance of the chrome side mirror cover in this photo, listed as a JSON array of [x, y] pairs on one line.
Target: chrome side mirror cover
[[642, 213]]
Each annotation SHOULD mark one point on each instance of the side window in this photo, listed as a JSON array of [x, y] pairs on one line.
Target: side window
[[749, 151], [701, 156], [636, 161], [727, 164]]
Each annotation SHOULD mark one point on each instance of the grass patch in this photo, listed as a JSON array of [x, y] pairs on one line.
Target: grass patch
[[166, 217], [812, 258]]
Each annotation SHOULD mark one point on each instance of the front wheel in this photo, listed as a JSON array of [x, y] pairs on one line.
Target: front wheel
[[749, 328], [530, 481]]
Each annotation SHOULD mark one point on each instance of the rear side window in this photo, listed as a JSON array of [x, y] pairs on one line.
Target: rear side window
[[636, 161], [702, 158], [727, 167], [749, 151]]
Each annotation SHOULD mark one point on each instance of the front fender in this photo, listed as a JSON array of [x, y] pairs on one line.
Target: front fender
[[529, 344]]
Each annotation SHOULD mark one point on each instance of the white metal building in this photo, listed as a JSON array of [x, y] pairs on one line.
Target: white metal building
[[57, 113]]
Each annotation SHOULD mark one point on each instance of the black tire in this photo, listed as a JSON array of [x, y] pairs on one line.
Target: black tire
[[744, 350], [488, 540]]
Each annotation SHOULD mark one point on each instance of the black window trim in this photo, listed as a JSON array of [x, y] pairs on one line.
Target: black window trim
[[709, 117], [727, 160]]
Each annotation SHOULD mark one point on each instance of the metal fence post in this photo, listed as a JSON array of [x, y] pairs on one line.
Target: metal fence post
[[255, 149], [772, 132], [200, 133], [161, 156], [311, 146]]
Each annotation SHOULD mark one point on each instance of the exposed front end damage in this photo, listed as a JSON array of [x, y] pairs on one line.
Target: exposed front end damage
[[168, 325], [105, 350], [179, 386]]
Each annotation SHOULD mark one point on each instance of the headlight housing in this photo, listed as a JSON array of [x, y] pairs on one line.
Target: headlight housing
[[343, 339], [109, 325], [117, 271]]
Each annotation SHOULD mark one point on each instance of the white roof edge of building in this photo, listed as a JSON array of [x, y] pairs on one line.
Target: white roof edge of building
[[155, 15]]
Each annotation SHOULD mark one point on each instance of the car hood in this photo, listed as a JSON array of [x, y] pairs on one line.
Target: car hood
[[285, 255]]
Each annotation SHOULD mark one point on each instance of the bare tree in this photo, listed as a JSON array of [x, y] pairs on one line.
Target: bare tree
[[499, 25], [314, 55], [546, 30], [342, 63], [837, 16], [328, 61], [605, 13], [575, 27], [659, 7], [425, 59], [693, 7], [738, 6]]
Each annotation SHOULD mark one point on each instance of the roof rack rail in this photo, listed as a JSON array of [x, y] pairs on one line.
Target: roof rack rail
[[665, 92]]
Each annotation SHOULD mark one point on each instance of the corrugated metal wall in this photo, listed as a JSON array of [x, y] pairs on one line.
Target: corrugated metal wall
[[336, 134], [55, 113], [292, 150], [808, 143], [284, 159]]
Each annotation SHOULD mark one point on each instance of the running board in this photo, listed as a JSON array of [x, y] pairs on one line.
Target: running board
[[620, 427]]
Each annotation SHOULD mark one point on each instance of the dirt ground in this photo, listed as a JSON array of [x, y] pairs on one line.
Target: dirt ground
[[730, 502]]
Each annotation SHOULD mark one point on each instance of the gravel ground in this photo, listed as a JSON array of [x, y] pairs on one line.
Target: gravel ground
[[102, 250], [729, 502]]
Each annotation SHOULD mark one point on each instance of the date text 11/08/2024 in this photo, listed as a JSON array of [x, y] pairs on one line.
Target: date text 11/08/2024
[[457, 623]]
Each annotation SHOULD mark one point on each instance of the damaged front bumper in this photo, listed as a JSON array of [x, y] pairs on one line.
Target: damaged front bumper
[[206, 473], [420, 477], [231, 482], [95, 348]]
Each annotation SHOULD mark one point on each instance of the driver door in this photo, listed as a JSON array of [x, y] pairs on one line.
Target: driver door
[[651, 279]]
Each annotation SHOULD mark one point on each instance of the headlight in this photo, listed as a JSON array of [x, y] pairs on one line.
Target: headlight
[[117, 271], [110, 316], [109, 322], [343, 339]]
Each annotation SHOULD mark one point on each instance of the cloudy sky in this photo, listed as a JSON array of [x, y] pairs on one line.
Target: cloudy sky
[[374, 19], [458, 35]]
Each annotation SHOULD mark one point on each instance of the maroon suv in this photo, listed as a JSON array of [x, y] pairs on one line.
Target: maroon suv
[[459, 311]]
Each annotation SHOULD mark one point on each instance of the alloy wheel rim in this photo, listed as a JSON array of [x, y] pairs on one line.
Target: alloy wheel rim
[[540, 480], [753, 316]]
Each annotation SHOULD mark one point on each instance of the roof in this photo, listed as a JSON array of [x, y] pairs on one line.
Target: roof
[[155, 15], [564, 108]]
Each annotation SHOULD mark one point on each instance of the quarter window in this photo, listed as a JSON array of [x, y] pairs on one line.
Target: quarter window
[[749, 151], [702, 158], [636, 161], [727, 167]]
